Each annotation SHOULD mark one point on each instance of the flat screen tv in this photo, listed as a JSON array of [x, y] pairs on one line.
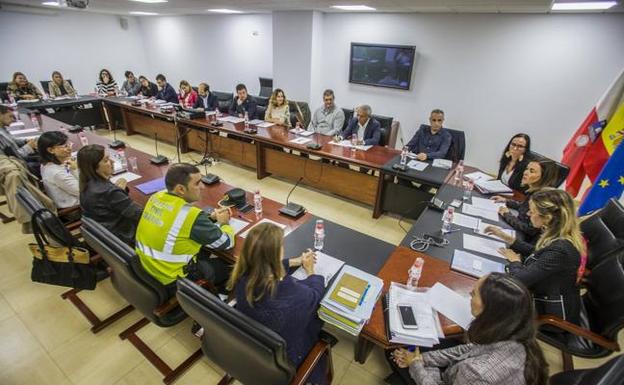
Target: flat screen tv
[[381, 65]]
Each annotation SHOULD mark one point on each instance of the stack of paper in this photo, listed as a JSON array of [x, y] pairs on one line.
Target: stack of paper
[[478, 175], [347, 143], [483, 245], [417, 165], [451, 304], [349, 302], [442, 163], [326, 265], [491, 186], [479, 212], [429, 330]]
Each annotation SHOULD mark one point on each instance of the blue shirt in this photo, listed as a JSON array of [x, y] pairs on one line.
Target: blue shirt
[[435, 146], [167, 94]]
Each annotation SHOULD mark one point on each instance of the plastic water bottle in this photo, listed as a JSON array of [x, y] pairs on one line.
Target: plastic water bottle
[[258, 204], [11, 99], [83, 139], [121, 155], [34, 120], [468, 186], [447, 220], [404, 156], [319, 235], [354, 142], [217, 112], [246, 117], [414, 273], [459, 173]]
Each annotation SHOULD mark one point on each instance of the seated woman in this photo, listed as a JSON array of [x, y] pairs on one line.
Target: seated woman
[[552, 268], [278, 111], [267, 294], [58, 172], [21, 89], [187, 96], [501, 347], [103, 201], [106, 85], [148, 89], [514, 160], [59, 86], [538, 174]]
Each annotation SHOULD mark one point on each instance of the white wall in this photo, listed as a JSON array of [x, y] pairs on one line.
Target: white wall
[[76, 44], [220, 50], [493, 75]]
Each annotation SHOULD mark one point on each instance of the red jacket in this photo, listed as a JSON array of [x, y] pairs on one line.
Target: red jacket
[[188, 100]]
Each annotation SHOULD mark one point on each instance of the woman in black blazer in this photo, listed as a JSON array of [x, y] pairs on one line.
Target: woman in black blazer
[[553, 267], [514, 160]]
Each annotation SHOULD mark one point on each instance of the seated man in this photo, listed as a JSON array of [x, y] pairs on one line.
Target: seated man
[[367, 129], [172, 232], [431, 142], [166, 92], [25, 149], [242, 103], [131, 85], [21, 88], [206, 100], [328, 119]]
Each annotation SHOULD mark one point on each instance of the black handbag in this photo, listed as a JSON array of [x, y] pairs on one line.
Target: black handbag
[[67, 266]]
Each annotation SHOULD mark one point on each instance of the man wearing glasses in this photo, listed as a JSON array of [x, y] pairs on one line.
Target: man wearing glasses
[[431, 141]]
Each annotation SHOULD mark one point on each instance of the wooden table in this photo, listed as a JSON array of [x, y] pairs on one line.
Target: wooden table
[[395, 269]]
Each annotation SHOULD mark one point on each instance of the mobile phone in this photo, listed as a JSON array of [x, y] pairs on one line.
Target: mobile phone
[[408, 318], [437, 204]]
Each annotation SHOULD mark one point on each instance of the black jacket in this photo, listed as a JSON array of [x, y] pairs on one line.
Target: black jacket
[[248, 105], [150, 91], [111, 206], [550, 274], [213, 102], [522, 222], [515, 179]]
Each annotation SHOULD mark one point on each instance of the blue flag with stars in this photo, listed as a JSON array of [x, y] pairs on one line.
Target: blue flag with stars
[[609, 184]]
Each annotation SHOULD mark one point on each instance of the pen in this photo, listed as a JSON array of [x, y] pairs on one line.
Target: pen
[[452, 230], [364, 295]]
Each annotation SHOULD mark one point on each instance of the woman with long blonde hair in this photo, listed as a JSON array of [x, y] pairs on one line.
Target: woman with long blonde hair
[[265, 292], [278, 111], [553, 267]]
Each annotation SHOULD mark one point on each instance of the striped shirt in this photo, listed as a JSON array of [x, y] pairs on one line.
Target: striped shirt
[[105, 88]]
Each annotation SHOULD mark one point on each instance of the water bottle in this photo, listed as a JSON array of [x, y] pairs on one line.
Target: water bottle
[[217, 112], [246, 117], [447, 220], [46, 97], [404, 156], [468, 186], [121, 155], [258, 204], [11, 99], [319, 235], [459, 173], [354, 142], [83, 139], [34, 120], [414, 273]]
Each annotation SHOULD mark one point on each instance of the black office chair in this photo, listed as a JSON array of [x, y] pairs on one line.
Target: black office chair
[[348, 114], [610, 373], [245, 349], [602, 315], [224, 99], [562, 169], [262, 101], [153, 300], [44, 85], [306, 115], [4, 86], [385, 123], [266, 87], [457, 151], [59, 234], [603, 231]]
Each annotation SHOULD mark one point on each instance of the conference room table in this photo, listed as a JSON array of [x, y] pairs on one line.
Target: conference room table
[[388, 262], [83, 110]]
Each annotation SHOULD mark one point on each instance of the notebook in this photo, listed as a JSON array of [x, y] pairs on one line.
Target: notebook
[[349, 290]]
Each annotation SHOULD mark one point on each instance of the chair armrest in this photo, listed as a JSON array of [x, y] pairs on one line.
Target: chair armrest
[[73, 225], [68, 210], [166, 307], [307, 366], [578, 331]]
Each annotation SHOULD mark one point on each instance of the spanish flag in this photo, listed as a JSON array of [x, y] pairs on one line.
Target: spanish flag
[[609, 184], [596, 139]]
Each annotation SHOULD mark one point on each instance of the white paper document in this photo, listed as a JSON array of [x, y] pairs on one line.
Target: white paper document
[[451, 304], [417, 165], [300, 131], [243, 235], [475, 265], [481, 230], [302, 140], [256, 122], [442, 163], [16, 124], [231, 119], [24, 131], [466, 221], [483, 245], [486, 204], [476, 211], [347, 143], [128, 176], [326, 265], [492, 186], [478, 175], [429, 329], [238, 225], [265, 124]]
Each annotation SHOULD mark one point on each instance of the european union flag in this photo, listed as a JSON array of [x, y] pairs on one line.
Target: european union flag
[[609, 184]]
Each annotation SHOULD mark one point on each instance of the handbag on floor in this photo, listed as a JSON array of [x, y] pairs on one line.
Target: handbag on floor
[[64, 265]]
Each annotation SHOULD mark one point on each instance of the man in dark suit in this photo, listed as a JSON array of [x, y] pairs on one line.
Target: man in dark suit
[[431, 141], [242, 103], [206, 100], [166, 93], [367, 128]]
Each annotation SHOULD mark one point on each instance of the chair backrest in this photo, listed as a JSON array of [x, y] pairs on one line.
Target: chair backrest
[[128, 277], [609, 373], [266, 86], [604, 231], [604, 298], [385, 122], [245, 349], [44, 85], [562, 169], [457, 151], [262, 101], [224, 99], [4, 86], [348, 114], [305, 111]]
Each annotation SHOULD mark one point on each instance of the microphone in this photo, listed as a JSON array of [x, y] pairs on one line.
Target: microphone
[[399, 166], [292, 209], [158, 159], [115, 144], [209, 179]]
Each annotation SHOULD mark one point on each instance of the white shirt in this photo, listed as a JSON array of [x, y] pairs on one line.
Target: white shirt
[[361, 129], [61, 184], [505, 176]]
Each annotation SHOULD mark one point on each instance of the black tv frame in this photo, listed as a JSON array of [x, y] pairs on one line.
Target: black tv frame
[[409, 81]]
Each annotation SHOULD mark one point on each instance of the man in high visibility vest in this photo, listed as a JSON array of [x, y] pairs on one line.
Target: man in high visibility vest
[[172, 233]]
